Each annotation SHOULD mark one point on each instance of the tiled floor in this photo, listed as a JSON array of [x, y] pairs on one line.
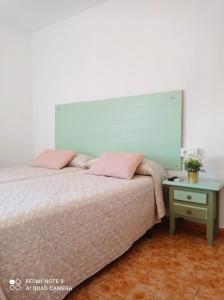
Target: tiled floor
[[164, 267]]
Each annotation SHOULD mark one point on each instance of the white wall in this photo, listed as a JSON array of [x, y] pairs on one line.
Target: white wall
[[134, 47], [15, 96]]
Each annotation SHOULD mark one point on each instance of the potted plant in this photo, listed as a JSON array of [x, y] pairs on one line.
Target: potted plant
[[193, 165]]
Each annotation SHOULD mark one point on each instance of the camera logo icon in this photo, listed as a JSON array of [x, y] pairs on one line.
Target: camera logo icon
[[15, 284]]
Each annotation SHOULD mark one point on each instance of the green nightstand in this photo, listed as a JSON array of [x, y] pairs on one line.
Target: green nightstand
[[195, 202]]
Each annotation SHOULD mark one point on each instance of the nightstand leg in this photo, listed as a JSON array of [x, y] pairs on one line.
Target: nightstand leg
[[172, 225], [212, 214], [210, 232], [216, 229], [172, 218]]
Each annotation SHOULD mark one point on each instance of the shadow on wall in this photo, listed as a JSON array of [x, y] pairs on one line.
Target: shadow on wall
[[221, 208], [216, 170], [215, 167]]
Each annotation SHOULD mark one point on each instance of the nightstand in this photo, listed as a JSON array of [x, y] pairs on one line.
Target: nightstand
[[196, 202]]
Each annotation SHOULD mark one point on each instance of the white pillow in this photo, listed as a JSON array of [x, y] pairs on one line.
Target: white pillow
[[80, 160], [89, 163], [152, 168]]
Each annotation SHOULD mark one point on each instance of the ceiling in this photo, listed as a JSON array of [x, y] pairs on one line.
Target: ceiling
[[31, 15]]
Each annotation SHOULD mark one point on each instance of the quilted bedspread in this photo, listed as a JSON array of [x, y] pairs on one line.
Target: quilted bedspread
[[57, 228], [25, 172]]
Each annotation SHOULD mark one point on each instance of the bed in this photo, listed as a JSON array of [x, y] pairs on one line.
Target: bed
[[67, 225], [57, 228]]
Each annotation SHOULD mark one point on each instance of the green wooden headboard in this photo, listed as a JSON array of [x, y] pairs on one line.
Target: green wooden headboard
[[150, 124]]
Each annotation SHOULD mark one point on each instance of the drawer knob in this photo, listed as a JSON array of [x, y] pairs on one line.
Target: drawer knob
[[189, 211], [189, 196]]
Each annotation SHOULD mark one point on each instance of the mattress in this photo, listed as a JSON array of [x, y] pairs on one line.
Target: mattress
[[58, 228]]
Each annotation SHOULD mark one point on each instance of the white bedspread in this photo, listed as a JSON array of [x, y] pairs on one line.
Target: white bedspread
[[67, 225]]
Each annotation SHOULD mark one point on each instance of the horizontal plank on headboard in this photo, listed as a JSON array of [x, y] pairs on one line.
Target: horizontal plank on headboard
[[150, 124]]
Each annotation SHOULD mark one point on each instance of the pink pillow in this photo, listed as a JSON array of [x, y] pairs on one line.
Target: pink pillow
[[53, 159], [121, 165]]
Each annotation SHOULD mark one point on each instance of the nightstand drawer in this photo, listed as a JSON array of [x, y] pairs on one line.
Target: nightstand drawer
[[195, 197], [190, 211]]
